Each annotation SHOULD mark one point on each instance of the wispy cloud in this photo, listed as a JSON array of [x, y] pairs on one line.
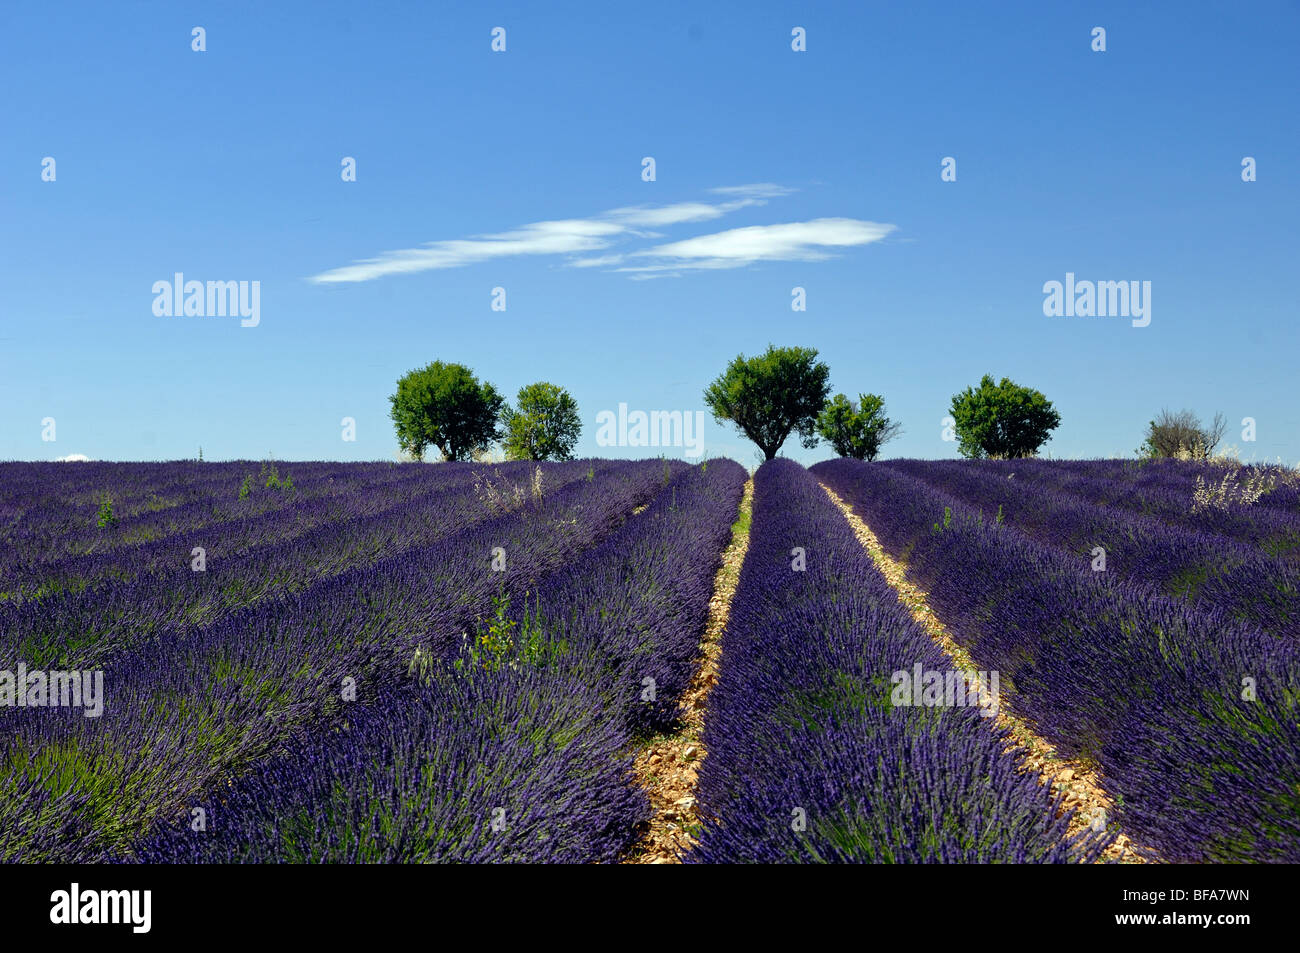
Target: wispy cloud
[[759, 190], [736, 247], [567, 236], [600, 261], [73, 458], [592, 240], [681, 213]]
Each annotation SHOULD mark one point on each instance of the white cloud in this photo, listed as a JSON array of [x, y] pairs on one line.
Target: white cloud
[[592, 238], [759, 190], [652, 217], [600, 261], [682, 212], [73, 458], [645, 274], [567, 236], [791, 241]]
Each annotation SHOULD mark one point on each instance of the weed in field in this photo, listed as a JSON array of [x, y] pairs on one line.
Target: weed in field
[[272, 477], [269, 477], [501, 496], [105, 517], [507, 642], [1232, 490]]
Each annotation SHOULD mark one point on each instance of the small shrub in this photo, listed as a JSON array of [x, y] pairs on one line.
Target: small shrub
[[503, 641], [1232, 489], [269, 477], [501, 496], [105, 517], [1182, 436]]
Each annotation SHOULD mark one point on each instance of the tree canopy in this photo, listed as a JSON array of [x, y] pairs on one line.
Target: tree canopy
[[543, 426], [767, 397], [857, 430], [444, 405], [1002, 420]]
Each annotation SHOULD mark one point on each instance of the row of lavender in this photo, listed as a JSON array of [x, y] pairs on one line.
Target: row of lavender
[[809, 759], [515, 750], [1191, 717], [1211, 571], [153, 591], [208, 511], [48, 510], [1165, 493], [187, 714], [1182, 475]]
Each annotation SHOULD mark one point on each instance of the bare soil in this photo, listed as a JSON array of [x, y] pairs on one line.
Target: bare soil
[[1077, 780], [667, 766]]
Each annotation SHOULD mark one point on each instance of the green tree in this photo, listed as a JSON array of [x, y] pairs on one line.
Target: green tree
[[544, 426], [445, 406], [1002, 420], [769, 396], [857, 430]]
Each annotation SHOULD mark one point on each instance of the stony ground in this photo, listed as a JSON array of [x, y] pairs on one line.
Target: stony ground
[[667, 765], [1076, 780]]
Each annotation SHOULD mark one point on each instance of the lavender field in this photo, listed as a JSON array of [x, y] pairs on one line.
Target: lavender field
[[315, 662]]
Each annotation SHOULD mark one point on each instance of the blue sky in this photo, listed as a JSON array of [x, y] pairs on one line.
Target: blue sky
[[225, 165]]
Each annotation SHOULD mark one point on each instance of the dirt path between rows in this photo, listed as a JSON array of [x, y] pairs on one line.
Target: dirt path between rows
[[667, 766], [1077, 781]]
